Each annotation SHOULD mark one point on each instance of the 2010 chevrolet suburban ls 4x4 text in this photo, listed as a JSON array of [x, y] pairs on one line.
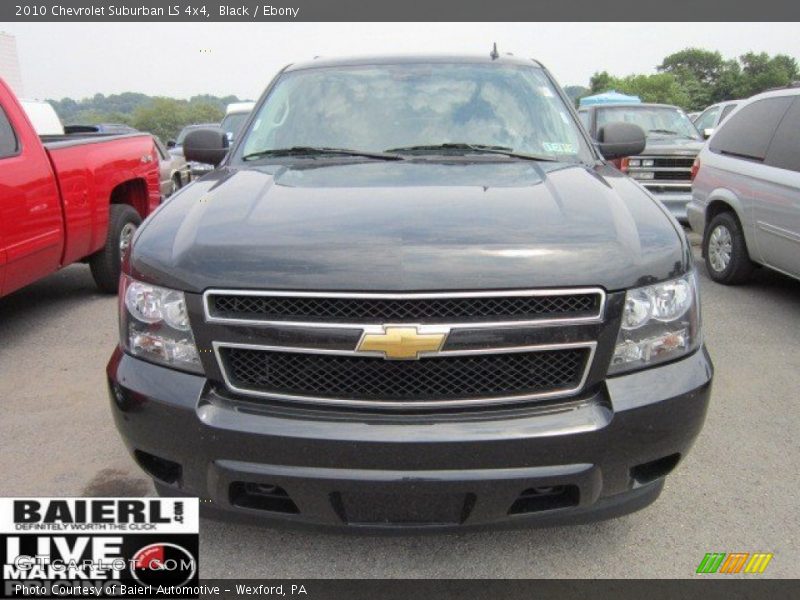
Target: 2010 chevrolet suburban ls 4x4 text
[[412, 295]]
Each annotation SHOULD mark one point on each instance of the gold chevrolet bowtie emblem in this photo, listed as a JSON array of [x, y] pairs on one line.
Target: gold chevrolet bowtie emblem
[[401, 343]]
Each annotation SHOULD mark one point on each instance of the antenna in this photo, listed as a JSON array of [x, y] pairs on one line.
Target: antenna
[[494, 54]]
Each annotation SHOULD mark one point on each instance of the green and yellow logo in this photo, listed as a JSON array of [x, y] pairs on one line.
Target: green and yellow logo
[[735, 562]]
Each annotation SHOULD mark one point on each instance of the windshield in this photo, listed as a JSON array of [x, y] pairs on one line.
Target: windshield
[[233, 123], [657, 121], [379, 108]]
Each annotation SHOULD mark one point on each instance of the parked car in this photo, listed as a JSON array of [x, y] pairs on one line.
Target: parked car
[[693, 116], [174, 170], [68, 198], [434, 306], [43, 117], [710, 118], [197, 169], [104, 128], [235, 115], [746, 190], [664, 168]]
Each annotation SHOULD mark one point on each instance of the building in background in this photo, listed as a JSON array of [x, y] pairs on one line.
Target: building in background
[[9, 63]]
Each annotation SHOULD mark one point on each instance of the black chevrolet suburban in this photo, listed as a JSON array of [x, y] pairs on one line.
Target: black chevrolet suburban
[[412, 295]]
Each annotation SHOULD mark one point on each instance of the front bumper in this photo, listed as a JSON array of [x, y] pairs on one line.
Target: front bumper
[[597, 457]]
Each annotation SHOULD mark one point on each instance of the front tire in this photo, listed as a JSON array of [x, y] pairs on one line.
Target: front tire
[[176, 183], [725, 249], [106, 264]]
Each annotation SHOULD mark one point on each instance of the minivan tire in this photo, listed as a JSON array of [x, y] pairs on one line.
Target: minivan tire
[[725, 250], [106, 264]]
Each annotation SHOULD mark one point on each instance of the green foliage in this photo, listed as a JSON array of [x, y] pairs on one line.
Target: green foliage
[[694, 78], [576, 92], [761, 72], [164, 117], [661, 87]]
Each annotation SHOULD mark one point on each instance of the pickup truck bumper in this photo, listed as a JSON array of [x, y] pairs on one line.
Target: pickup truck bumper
[[601, 456]]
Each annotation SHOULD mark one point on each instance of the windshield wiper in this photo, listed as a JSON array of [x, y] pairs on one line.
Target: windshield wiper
[[314, 151], [475, 149], [664, 131]]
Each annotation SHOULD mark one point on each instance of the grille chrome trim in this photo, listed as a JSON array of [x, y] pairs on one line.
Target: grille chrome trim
[[596, 318], [591, 346]]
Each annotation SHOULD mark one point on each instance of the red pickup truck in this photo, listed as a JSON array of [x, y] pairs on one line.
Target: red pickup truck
[[69, 198]]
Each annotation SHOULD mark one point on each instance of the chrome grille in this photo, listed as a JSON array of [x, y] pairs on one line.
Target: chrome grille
[[311, 346], [674, 161], [670, 173]]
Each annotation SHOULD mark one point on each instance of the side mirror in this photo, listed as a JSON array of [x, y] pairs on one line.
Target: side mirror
[[171, 143], [617, 140], [707, 132], [206, 146]]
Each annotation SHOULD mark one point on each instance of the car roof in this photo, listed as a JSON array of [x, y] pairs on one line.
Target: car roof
[[793, 90], [399, 59], [200, 125]]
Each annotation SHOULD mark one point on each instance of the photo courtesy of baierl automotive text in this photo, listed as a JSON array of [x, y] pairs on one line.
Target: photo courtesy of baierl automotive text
[[326, 303]]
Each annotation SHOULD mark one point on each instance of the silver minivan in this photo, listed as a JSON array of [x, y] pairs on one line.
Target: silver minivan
[[746, 189]]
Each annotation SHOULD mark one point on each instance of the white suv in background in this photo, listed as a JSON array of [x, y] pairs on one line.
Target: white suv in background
[[746, 189], [711, 118]]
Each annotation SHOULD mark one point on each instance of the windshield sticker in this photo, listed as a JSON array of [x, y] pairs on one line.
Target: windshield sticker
[[559, 147]]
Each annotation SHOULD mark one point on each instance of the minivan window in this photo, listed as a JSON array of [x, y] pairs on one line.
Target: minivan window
[[726, 111], [748, 132], [9, 146], [376, 108], [784, 151]]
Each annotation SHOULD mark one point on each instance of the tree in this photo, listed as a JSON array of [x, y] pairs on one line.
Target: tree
[[142, 111], [697, 72], [659, 87], [163, 117], [601, 82], [760, 72], [576, 92], [204, 112], [695, 64]]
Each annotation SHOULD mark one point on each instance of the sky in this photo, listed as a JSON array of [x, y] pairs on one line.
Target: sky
[[182, 60]]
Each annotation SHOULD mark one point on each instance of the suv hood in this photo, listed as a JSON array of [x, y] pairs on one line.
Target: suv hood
[[672, 145], [413, 226]]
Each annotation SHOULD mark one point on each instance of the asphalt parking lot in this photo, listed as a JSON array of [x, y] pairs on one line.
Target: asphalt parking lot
[[736, 492]]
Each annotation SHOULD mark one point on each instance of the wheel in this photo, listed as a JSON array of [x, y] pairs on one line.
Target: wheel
[[725, 250], [176, 184], [106, 264]]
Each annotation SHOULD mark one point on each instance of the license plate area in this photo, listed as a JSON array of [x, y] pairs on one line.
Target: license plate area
[[402, 508]]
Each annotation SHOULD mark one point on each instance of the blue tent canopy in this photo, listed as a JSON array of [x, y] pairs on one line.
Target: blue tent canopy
[[610, 97]]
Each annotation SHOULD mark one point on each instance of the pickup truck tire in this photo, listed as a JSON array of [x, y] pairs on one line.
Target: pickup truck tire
[[725, 249], [176, 183], [107, 263]]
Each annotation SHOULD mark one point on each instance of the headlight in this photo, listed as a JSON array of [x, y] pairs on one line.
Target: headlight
[[659, 322], [154, 325]]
